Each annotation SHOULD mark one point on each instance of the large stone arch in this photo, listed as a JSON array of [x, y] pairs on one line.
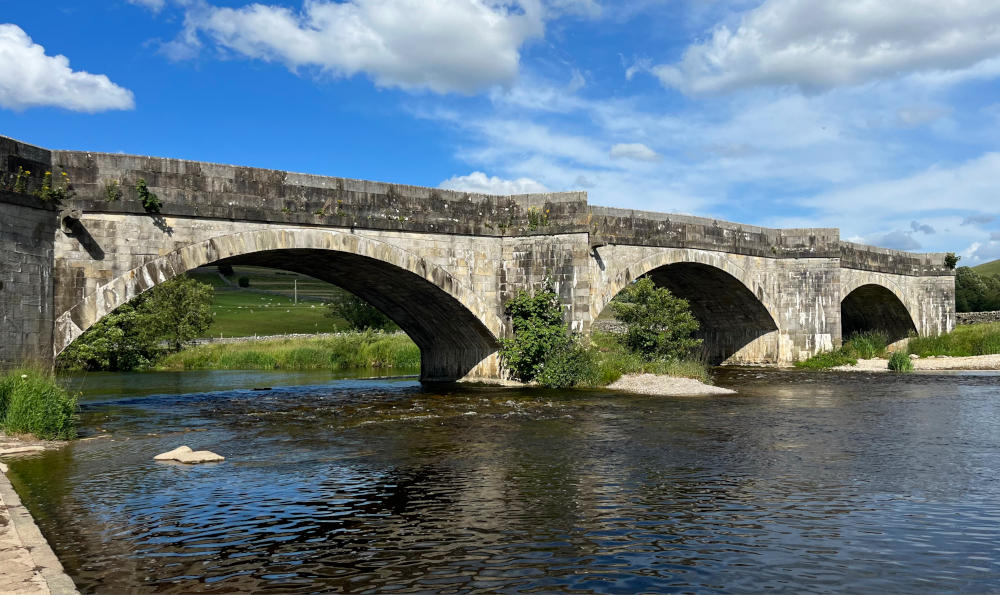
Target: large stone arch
[[738, 317], [875, 302], [455, 329]]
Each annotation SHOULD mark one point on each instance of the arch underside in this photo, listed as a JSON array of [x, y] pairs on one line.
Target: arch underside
[[452, 340], [732, 318], [874, 308]]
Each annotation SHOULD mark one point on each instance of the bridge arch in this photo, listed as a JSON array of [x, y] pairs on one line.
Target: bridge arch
[[872, 302], [737, 316], [454, 328]]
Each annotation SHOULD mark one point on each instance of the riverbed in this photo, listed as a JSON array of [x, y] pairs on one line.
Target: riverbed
[[801, 481]]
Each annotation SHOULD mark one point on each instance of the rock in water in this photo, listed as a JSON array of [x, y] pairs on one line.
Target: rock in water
[[199, 456], [172, 454]]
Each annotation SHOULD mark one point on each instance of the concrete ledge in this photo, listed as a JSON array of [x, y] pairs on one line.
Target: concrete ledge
[[27, 563]]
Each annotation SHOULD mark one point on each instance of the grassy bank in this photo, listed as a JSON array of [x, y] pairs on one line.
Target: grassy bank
[[32, 403], [867, 345], [964, 341], [345, 351], [610, 360]]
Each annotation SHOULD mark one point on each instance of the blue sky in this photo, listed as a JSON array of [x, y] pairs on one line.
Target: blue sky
[[881, 118]]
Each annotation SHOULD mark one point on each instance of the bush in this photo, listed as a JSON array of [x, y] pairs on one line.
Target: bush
[[539, 332], [32, 403], [243, 281], [565, 367], [658, 324], [900, 362], [226, 270], [868, 345], [359, 314]]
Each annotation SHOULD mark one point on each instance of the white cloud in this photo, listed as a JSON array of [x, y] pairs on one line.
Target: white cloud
[[442, 45], [29, 78], [479, 182], [820, 45], [153, 5], [637, 151]]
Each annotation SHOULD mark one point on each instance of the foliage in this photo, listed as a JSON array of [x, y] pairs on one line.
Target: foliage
[[566, 366], [150, 202], [539, 332], [32, 403], [975, 292], [112, 191], [54, 192], [129, 337], [658, 324], [226, 270], [950, 260], [243, 282], [537, 218], [359, 314], [122, 340], [965, 340], [179, 310], [610, 360], [21, 180], [868, 344], [367, 349], [900, 362], [830, 359]]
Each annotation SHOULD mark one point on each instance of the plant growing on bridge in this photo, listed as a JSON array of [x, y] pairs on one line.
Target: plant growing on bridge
[[54, 192], [112, 191], [658, 324], [950, 260], [150, 202], [359, 314]]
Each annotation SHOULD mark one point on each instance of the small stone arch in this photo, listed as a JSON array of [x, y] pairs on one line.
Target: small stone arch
[[454, 328], [737, 316], [875, 307]]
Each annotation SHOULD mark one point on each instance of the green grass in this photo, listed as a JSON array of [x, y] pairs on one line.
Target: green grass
[[865, 345], [32, 403], [988, 268], [345, 351], [245, 313], [965, 340], [611, 360], [829, 359], [900, 362]]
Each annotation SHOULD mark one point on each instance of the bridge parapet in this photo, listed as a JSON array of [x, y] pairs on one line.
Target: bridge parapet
[[897, 262], [646, 228]]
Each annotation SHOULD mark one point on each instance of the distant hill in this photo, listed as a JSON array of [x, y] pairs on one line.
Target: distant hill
[[988, 268]]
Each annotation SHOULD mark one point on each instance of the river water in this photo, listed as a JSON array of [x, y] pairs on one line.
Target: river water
[[817, 482]]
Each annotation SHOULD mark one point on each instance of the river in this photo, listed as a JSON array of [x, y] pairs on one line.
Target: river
[[818, 482]]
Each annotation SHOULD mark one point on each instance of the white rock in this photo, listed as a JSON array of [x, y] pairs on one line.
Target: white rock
[[19, 449], [199, 456], [172, 454], [914, 356], [3, 468]]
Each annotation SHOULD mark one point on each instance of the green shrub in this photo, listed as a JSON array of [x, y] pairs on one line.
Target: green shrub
[[359, 314], [658, 324], [539, 332], [150, 202], [829, 359], [565, 367], [868, 345], [900, 362], [32, 403], [243, 281]]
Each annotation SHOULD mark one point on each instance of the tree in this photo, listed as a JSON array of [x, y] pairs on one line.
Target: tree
[[658, 324], [539, 334], [975, 292], [359, 314], [120, 341], [179, 310]]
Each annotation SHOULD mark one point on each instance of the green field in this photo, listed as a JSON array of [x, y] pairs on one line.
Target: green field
[[988, 268], [246, 312]]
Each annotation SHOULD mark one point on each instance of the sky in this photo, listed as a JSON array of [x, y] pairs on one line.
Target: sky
[[880, 118]]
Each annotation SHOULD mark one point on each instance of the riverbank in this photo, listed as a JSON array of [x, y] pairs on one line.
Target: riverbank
[[330, 352], [667, 386], [942, 363], [27, 563]]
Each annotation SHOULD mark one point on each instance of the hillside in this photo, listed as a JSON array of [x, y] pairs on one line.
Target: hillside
[[268, 306], [988, 268]]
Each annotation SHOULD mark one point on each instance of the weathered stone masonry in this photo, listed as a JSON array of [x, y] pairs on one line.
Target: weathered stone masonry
[[440, 263]]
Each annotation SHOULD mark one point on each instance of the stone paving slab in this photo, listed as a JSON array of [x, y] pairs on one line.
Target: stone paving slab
[[27, 564]]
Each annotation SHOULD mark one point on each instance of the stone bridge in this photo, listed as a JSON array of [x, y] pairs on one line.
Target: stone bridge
[[440, 263]]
